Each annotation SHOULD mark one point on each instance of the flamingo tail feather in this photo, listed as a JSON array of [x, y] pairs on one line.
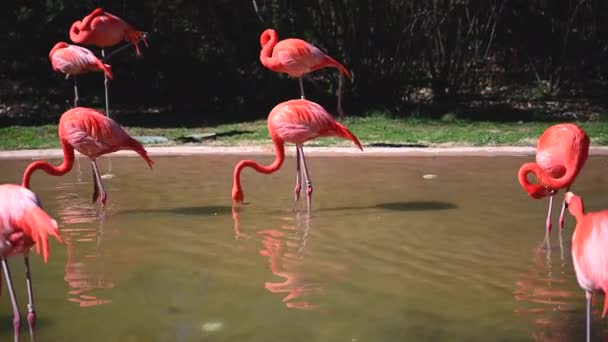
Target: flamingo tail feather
[[347, 134]]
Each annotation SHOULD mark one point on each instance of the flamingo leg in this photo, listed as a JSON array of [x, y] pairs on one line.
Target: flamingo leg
[[98, 185], [548, 222], [302, 89], [298, 187], [76, 98], [561, 215], [340, 110], [31, 312], [588, 297], [306, 178], [561, 246], [106, 83], [11, 291]]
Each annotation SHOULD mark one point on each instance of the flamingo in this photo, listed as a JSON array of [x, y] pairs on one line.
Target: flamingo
[[73, 60], [296, 57], [93, 135], [560, 155], [23, 224], [294, 121], [103, 30], [589, 252]]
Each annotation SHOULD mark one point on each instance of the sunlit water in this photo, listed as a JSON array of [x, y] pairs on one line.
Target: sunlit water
[[387, 254]]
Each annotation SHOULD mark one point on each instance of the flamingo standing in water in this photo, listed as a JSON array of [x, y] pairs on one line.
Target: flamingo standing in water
[[589, 252], [23, 224], [296, 57], [104, 30], [93, 135], [73, 60], [560, 155], [294, 121]]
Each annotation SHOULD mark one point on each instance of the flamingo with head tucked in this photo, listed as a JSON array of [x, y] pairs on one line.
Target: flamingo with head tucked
[[73, 60], [296, 57], [23, 224], [93, 135], [560, 155], [590, 252], [104, 30], [294, 121]]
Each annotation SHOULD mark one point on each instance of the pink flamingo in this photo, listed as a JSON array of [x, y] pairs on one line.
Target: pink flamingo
[[296, 57], [93, 135], [23, 224], [294, 121], [560, 155], [590, 252], [104, 30], [73, 60]]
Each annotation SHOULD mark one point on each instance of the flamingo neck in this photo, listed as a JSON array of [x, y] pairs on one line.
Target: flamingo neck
[[80, 30], [266, 53], [237, 190], [65, 167], [86, 23], [534, 190]]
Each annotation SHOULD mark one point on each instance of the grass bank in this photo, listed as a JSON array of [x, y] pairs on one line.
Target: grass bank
[[378, 130]]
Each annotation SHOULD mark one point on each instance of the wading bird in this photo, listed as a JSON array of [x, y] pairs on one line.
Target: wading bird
[[73, 60], [104, 30], [93, 135], [294, 121], [23, 224], [560, 155], [296, 57], [589, 252]]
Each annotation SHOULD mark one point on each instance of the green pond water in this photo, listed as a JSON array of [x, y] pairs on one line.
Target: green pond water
[[386, 255]]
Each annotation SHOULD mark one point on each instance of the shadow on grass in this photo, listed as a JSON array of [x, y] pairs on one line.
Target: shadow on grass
[[395, 145], [194, 138]]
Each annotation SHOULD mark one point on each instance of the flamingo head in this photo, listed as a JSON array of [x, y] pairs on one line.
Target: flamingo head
[[266, 36], [574, 204], [58, 46], [537, 191], [569, 196]]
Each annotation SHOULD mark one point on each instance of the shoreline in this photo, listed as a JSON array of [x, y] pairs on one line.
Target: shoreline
[[190, 150]]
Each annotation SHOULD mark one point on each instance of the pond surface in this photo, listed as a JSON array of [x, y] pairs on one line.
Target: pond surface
[[387, 254]]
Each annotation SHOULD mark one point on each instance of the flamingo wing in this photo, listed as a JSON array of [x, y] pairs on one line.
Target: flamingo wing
[[297, 56], [23, 222], [91, 133], [297, 121], [74, 60]]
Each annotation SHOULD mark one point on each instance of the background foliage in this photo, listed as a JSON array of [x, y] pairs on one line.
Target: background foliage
[[486, 59]]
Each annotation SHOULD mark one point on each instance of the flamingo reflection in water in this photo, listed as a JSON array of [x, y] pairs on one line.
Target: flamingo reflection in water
[[284, 248], [84, 263], [546, 297]]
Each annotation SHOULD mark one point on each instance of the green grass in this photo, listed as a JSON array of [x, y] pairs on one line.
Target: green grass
[[375, 128]]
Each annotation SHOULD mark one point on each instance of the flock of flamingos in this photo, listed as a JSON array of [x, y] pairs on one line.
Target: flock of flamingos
[[561, 153]]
